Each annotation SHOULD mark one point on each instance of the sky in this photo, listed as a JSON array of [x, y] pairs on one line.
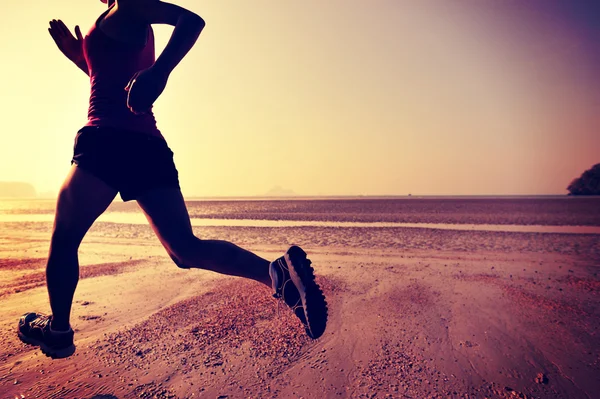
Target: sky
[[337, 97]]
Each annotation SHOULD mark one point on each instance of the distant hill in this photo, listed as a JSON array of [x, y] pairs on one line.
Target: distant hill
[[279, 191], [588, 183], [16, 190]]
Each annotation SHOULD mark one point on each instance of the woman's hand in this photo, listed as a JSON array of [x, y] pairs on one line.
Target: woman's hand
[[71, 46], [144, 88]]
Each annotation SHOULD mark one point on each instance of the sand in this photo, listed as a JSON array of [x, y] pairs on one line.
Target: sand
[[414, 313]]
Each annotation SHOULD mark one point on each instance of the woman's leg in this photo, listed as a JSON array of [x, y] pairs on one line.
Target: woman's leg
[[292, 274], [82, 198], [168, 216]]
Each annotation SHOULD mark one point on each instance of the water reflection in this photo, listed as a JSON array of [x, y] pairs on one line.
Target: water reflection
[[138, 218]]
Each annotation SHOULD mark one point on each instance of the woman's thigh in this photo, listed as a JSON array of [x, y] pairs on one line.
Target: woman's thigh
[[82, 198], [167, 214]]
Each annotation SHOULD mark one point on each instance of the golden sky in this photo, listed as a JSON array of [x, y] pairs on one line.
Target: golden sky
[[338, 97]]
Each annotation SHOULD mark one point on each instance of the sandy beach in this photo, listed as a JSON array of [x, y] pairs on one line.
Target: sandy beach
[[414, 313], [437, 160]]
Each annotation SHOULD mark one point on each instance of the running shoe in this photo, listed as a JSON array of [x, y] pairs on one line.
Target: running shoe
[[34, 329], [293, 280]]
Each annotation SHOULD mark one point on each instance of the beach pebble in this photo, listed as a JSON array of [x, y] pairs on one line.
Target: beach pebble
[[541, 378]]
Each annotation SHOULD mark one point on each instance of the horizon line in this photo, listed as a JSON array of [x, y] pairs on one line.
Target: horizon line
[[342, 196]]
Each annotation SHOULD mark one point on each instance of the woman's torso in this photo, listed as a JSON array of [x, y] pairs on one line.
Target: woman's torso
[[115, 48]]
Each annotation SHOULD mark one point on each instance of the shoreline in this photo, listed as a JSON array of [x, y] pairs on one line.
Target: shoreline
[[140, 219]]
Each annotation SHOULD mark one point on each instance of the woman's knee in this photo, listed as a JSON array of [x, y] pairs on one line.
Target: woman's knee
[[66, 237], [185, 253], [178, 262]]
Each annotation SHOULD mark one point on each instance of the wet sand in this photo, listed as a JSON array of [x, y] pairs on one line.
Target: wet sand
[[413, 313], [139, 218]]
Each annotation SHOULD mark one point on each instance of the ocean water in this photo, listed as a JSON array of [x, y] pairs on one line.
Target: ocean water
[[521, 214]]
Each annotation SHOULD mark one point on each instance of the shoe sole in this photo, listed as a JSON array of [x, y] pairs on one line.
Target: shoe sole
[[54, 353], [313, 300]]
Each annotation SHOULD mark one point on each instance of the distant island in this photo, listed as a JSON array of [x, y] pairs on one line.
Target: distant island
[[587, 184], [279, 191], [17, 190]]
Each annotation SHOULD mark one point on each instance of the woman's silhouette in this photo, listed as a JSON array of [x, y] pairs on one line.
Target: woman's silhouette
[[120, 150]]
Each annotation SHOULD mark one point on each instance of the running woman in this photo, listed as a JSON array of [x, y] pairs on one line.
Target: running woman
[[120, 150]]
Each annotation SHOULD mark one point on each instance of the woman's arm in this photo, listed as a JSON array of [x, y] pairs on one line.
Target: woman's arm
[[145, 86]]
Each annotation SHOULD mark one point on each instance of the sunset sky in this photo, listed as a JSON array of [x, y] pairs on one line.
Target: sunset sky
[[337, 97]]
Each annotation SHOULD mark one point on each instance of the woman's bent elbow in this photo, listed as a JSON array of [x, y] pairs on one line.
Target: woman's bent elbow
[[195, 20]]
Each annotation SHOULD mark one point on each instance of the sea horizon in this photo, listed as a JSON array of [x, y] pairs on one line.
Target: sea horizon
[[337, 197]]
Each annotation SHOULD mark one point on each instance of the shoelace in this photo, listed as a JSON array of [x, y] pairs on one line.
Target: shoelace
[[280, 292], [40, 321]]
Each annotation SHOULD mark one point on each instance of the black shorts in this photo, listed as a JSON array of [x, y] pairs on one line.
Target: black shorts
[[130, 162]]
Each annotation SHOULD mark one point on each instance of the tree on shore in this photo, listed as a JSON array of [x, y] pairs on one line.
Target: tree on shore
[[588, 183]]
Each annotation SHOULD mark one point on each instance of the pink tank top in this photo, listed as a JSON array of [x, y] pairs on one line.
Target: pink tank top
[[111, 64]]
